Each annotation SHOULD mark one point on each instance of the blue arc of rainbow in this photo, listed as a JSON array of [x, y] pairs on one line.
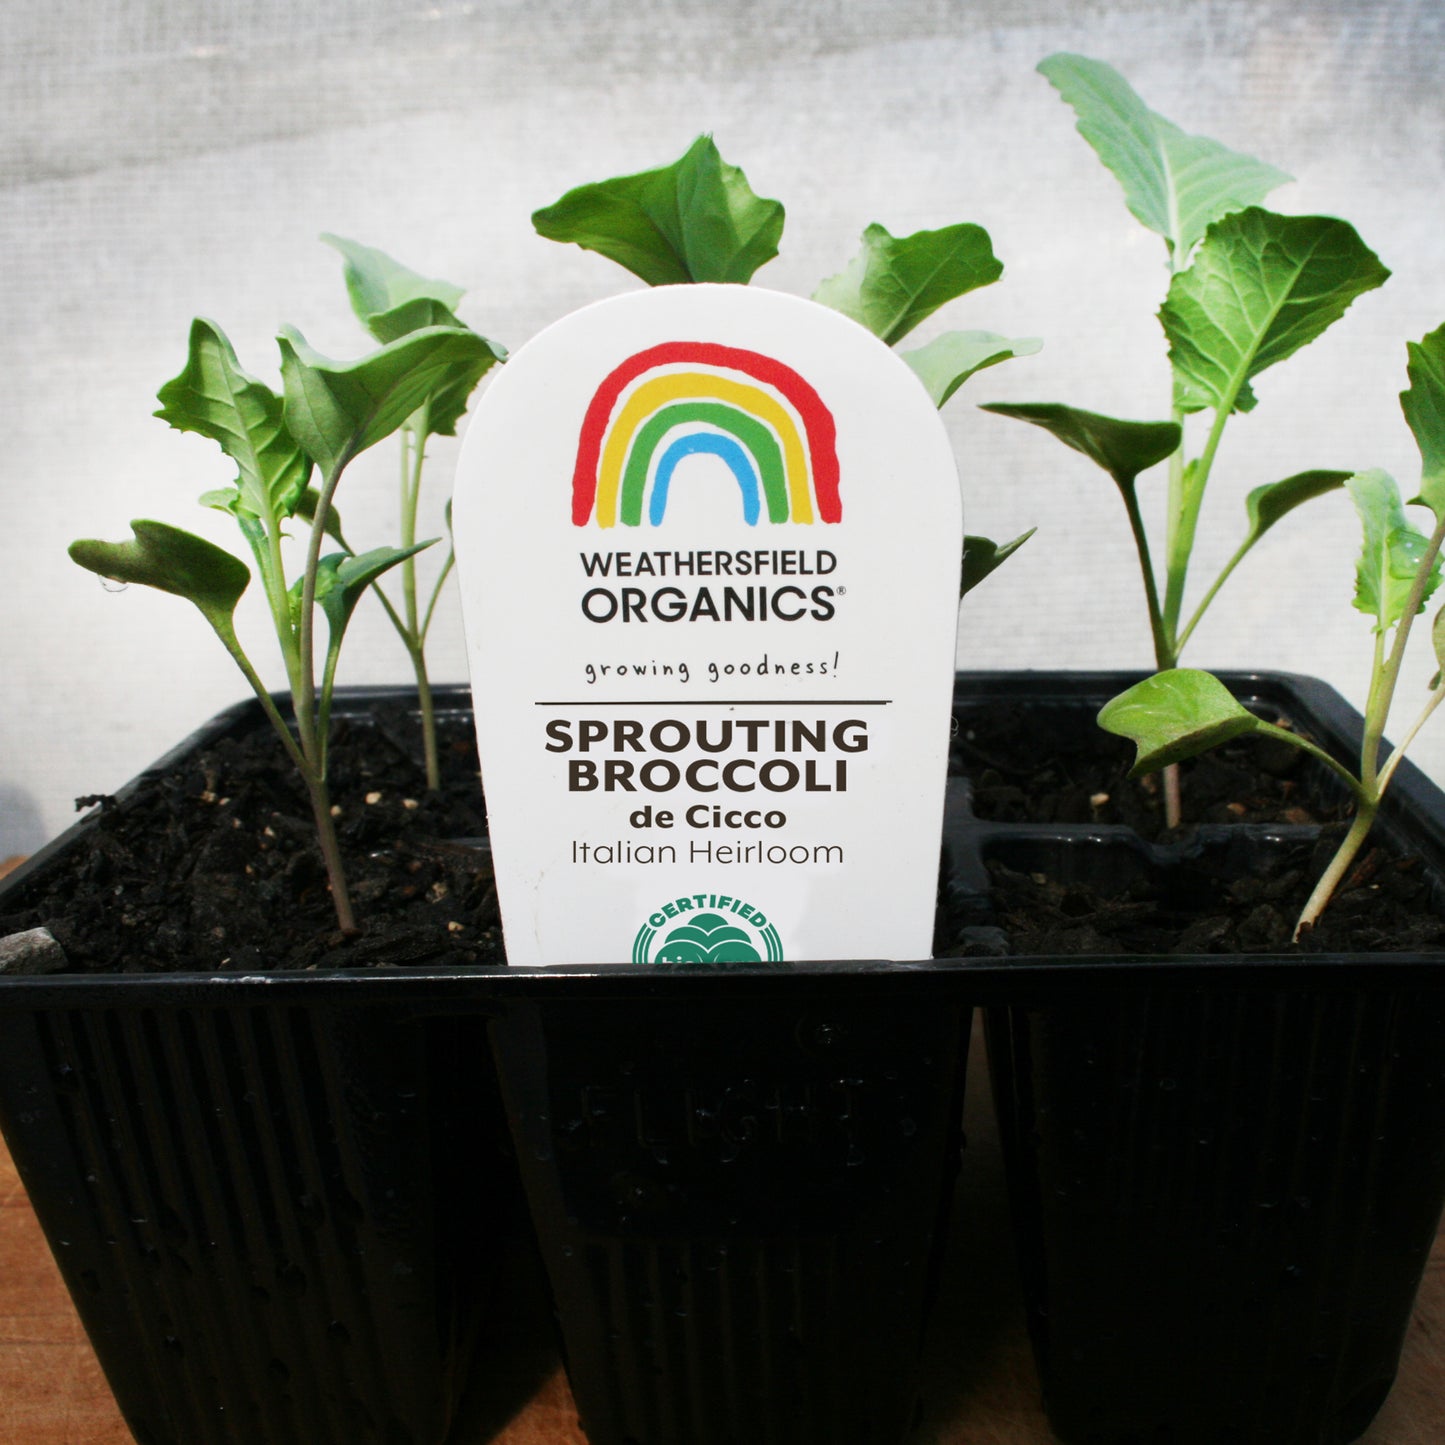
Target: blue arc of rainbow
[[699, 444]]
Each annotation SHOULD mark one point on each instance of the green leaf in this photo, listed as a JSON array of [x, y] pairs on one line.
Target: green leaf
[[306, 510], [1123, 448], [1174, 715], [981, 556], [342, 578], [216, 398], [379, 286], [695, 220], [1424, 407], [1437, 638], [393, 302], [895, 282], [1267, 504], [1391, 553], [411, 316], [946, 362], [1261, 287], [448, 403], [222, 499], [337, 409], [173, 561], [1174, 183], [253, 529]]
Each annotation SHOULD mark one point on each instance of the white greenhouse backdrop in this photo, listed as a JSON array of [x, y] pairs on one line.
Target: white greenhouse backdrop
[[161, 161]]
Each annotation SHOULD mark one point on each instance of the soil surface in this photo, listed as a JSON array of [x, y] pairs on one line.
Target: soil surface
[[214, 867], [1032, 764], [1387, 904], [1035, 765]]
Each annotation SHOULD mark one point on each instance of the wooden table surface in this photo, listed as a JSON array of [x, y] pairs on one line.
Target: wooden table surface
[[979, 1381]]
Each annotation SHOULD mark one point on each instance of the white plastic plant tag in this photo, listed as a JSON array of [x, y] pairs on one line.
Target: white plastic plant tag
[[709, 540]]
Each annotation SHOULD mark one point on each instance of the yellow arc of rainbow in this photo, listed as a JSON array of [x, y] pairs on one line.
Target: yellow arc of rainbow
[[695, 386]]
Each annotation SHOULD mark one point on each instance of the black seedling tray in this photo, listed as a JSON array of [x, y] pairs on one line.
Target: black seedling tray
[[278, 1199]]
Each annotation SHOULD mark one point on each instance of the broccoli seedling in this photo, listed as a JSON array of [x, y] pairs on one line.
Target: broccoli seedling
[[391, 302], [1179, 713], [327, 413], [1247, 289]]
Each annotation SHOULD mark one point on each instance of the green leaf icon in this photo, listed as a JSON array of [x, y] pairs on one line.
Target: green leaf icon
[[708, 938]]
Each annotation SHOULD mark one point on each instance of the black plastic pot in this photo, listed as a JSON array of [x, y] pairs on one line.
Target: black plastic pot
[[278, 1201], [740, 1184], [1225, 1174]]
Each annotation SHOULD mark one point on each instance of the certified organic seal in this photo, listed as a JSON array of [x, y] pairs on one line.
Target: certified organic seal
[[707, 928]]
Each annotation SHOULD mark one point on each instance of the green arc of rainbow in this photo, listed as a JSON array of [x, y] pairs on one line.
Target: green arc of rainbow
[[742, 401]]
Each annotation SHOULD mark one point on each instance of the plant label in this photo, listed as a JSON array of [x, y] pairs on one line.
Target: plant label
[[709, 544]]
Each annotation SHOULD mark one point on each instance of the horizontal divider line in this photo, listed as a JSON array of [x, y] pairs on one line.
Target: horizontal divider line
[[722, 702]]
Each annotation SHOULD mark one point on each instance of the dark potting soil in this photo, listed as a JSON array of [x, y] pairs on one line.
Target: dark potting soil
[[1386, 905], [1040, 765], [214, 866]]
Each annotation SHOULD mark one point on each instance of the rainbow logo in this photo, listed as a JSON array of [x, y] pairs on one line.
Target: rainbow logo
[[692, 398]]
